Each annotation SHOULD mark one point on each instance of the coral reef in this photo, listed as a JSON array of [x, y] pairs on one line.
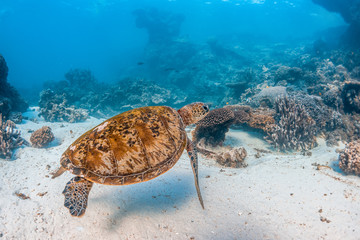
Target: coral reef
[[262, 119], [54, 107], [295, 129], [349, 158], [213, 127], [42, 137], [267, 96], [289, 74], [9, 138], [10, 100], [351, 96]]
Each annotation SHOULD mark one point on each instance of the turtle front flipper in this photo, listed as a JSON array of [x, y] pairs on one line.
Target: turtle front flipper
[[191, 150], [76, 195]]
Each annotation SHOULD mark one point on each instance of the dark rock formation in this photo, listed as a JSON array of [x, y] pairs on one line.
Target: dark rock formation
[[350, 11], [10, 100]]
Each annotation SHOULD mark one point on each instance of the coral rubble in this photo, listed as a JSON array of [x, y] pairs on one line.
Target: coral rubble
[[42, 137], [233, 158], [9, 138], [295, 129], [349, 158]]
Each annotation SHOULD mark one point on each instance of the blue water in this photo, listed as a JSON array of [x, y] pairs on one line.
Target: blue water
[[41, 39]]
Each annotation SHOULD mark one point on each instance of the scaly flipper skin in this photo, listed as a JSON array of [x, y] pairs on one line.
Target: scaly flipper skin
[[191, 150], [76, 195]]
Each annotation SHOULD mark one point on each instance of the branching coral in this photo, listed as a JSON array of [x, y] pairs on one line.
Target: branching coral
[[214, 126], [53, 107], [9, 138], [295, 130], [41, 137], [349, 158]]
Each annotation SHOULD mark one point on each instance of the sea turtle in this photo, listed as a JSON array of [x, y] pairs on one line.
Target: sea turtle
[[132, 147]]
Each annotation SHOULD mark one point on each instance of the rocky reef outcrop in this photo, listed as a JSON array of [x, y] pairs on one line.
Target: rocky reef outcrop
[[161, 26], [10, 100], [350, 11]]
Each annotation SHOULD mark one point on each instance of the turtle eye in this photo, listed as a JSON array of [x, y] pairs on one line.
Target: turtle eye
[[206, 108]]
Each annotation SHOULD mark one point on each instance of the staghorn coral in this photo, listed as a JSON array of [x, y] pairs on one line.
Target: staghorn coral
[[54, 107], [349, 158], [9, 138], [214, 127], [295, 129], [41, 137]]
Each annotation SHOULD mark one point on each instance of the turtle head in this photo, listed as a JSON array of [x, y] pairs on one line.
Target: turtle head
[[194, 112]]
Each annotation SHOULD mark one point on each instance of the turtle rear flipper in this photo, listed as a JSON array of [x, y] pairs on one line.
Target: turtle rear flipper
[[76, 195]]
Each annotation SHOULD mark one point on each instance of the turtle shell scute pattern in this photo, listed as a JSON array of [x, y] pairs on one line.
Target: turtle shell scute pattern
[[131, 147]]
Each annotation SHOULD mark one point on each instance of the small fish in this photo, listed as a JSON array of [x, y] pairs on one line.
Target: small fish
[[169, 69], [140, 63], [319, 93]]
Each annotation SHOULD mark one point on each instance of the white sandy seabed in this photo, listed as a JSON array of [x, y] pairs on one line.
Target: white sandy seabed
[[278, 196]]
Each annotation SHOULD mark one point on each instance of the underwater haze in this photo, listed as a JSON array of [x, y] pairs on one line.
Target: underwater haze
[[41, 40], [180, 119]]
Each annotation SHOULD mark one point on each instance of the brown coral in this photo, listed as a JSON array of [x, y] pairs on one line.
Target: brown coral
[[261, 119], [349, 158], [9, 138], [41, 137], [242, 113], [214, 127]]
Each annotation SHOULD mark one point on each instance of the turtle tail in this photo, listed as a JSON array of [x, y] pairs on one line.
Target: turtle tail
[[76, 195]]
